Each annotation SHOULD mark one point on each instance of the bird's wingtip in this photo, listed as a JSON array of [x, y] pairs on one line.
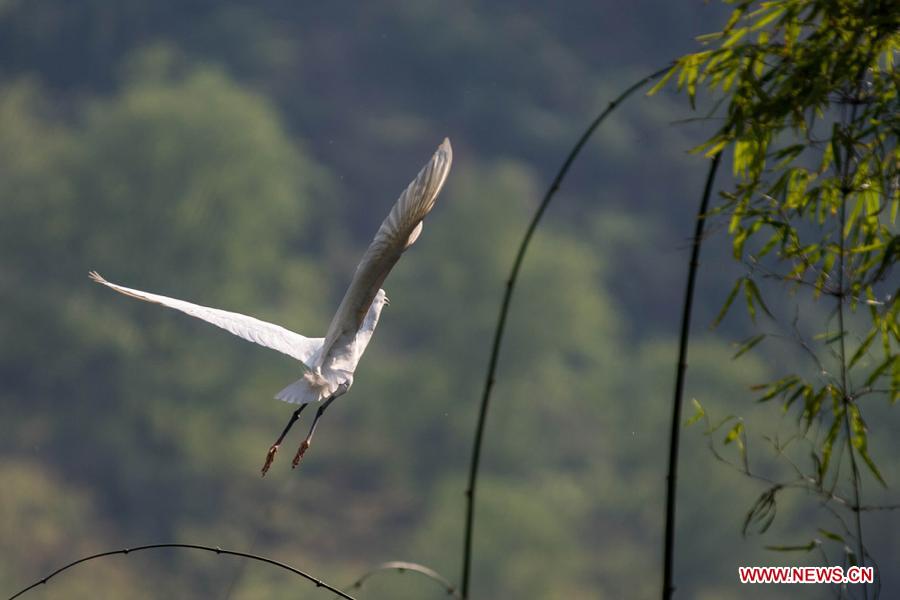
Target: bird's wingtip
[[445, 148], [95, 276]]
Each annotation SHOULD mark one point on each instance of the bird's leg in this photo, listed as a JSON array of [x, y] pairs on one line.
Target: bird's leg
[[270, 456], [305, 445]]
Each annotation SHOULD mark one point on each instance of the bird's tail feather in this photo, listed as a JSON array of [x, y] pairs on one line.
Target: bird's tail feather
[[312, 387]]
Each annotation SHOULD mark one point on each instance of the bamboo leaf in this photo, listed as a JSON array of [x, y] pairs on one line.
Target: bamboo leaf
[[863, 348], [874, 469], [664, 80], [708, 37], [804, 548], [835, 149], [748, 345], [828, 444], [802, 390], [813, 404], [854, 214], [831, 535], [881, 369], [735, 16], [755, 292], [699, 413], [728, 301], [735, 37], [828, 337], [716, 140], [762, 511], [735, 435], [777, 236], [754, 298], [741, 157], [860, 441], [713, 428], [780, 386], [748, 296], [887, 259], [765, 20], [716, 148]]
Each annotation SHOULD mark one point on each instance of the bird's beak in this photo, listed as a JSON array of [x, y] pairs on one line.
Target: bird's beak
[[387, 300]]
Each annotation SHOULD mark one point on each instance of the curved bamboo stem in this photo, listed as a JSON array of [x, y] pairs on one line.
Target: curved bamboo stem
[[675, 431], [318, 582], [504, 309]]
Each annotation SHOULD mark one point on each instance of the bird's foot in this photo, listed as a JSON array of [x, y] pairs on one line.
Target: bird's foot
[[270, 458], [303, 448]]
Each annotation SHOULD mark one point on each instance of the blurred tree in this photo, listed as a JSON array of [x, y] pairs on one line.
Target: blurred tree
[[183, 166], [186, 168]]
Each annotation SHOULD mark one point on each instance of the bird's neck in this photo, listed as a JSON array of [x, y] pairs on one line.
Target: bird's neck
[[370, 321]]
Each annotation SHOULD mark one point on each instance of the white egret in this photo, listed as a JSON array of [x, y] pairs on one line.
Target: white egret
[[329, 362]]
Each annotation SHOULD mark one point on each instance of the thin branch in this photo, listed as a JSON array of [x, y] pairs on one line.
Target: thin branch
[[501, 321], [880, 507], [672, 477], [803, 481], [403, 566], [835, 590], [216, 550], [845, 390], [841, 267]]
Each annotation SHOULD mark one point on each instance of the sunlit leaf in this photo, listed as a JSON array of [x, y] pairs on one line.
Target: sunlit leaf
[[699, 413], [734, 434], [663, 81]]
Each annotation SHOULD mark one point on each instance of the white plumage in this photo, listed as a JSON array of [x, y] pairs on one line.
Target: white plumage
[[251, 329], [329, 362]]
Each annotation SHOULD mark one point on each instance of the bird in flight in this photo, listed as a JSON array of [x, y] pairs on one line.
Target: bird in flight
[[329, 363]]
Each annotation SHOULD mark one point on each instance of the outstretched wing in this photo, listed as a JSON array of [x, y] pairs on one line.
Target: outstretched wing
[[265, 334], [398, 232]]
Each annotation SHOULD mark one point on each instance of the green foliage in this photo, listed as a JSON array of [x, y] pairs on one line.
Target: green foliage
[[160, 185], [807, 94]]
